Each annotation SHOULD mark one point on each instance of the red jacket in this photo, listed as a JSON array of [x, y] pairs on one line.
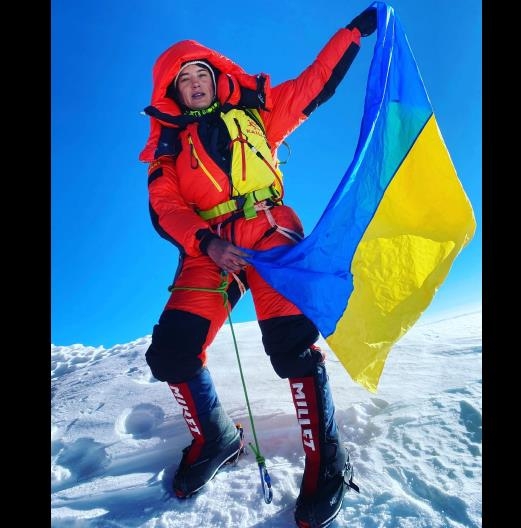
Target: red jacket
[[176, 192]]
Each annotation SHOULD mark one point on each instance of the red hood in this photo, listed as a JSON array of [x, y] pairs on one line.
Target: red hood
[[169, 63], [230, 78]]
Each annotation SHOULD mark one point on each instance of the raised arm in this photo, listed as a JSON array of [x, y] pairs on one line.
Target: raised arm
[[294, 100]]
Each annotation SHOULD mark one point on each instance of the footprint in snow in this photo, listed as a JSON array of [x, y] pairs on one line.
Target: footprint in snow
[[140, 421], [82, 458]]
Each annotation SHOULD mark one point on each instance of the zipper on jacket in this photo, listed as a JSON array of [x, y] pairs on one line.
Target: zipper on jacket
[[193, 154]]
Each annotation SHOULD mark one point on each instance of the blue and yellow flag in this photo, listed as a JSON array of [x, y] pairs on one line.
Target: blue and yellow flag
[[390, 233]]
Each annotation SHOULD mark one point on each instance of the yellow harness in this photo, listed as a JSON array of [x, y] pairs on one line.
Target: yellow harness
[[245, 202]]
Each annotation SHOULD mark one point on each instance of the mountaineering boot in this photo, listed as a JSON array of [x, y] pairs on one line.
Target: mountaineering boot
[[216, 440], [328, 472]]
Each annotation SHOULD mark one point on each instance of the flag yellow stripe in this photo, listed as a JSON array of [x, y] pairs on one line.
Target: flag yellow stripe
[[421, 224]]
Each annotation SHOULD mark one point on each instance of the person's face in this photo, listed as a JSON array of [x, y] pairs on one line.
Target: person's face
[[195, 87]]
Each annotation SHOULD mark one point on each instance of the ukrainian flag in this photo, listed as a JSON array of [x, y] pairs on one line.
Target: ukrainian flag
[[390, 233]]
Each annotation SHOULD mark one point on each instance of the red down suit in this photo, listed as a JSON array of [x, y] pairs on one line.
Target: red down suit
[[227, 154]]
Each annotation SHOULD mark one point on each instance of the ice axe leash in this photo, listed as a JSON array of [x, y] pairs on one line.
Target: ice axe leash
[[267, 492]]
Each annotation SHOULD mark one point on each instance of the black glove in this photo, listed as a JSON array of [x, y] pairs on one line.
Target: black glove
[[365, 22]]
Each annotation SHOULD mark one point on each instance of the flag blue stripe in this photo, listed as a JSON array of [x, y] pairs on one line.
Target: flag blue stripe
[[315, 274]]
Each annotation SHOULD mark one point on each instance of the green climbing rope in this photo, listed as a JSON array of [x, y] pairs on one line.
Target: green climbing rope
[[261, 461]]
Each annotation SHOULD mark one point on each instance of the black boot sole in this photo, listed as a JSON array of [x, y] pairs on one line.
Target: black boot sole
[[328, 522], [347, 484], [231, 460]]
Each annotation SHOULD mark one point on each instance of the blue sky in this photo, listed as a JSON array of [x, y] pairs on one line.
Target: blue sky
[[109, 268]]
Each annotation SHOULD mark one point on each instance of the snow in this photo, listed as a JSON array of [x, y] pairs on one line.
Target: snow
[[117, 435]]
